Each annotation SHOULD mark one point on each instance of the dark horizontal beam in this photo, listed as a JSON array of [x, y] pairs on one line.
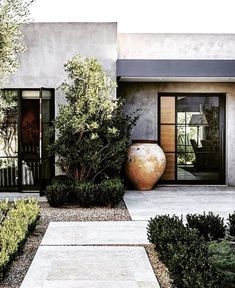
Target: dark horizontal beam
[[175, 68]]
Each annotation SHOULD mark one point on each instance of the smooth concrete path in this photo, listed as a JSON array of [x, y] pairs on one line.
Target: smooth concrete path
[[96, 233], [180, 200], [11, 196], [90, 267]]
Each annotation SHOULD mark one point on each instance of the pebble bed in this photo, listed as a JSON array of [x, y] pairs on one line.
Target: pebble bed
[[20, 265]]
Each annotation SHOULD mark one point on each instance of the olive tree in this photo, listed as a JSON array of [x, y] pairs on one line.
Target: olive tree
[[92, 131], [13, 13]]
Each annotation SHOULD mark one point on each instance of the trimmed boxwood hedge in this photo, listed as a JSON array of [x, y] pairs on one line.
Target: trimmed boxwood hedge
[[18, 220], [85, 193], [184, 252]]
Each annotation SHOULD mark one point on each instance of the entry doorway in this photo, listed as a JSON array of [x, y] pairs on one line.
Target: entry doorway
[[25, 164], [192, 135]]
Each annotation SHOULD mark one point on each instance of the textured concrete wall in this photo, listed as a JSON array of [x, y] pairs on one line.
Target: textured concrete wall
[[145, 95], [51, 45], [176, 46]]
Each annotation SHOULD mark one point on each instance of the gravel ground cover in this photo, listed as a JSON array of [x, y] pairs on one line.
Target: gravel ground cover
[[21, 264]]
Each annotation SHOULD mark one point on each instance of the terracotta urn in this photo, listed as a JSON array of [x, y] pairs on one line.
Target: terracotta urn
[[145, 164]]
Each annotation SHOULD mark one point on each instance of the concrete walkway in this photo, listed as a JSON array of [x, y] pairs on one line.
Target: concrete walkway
[[67, 257], [180, 200], [96, 233]]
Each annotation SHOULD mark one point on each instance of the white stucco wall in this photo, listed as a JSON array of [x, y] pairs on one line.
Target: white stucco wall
[[51, 45], [176, 46]]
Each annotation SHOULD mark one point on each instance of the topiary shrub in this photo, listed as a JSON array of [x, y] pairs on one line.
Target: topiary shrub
[[110, 192], [189, 265], [57, 194], [184, 252], [222, 257], [85, 193], [231, 224], [165, 231], [210, 226]]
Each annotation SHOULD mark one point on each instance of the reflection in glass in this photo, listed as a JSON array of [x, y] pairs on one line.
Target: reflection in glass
[[8, 172], [197, 138]]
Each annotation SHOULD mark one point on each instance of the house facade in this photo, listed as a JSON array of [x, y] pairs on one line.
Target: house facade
[[185, 84]]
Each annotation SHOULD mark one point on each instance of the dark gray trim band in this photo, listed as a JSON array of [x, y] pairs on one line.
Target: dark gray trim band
[[175, 68]]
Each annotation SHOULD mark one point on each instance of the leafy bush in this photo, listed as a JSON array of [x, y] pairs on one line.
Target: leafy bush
[[107, 193], [85, 193], [57, 194], [19, 221], [231, 224], [222, 256], [60, 179], [93, 131], [189, 265], [184, 252], [211, 227], [110, 192], [165, 231]]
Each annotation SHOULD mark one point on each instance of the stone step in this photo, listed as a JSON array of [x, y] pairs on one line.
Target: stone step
[[96, 233], [90, 267]]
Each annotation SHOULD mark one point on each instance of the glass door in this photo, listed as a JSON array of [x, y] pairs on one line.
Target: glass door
[[9, 115], [192, 136], [36, 116]]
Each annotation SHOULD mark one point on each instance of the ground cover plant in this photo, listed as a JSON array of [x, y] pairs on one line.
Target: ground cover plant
[[192, 258], [17, 220]]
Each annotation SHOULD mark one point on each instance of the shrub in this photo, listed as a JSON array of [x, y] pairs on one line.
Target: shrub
[[85, 193], [19, 221], [184, 252], [93, 132], [57, 194], [222, 257], [164, 231], [110, 192], [60, 178], [189, 265], [231, 224], [211, 227], [107, 193]]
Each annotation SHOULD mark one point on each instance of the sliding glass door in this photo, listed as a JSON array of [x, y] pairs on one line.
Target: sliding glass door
[[26, 164], [191, 132]]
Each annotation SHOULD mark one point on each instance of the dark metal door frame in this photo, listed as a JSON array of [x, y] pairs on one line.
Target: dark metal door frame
[[222, 137], [19, 187]]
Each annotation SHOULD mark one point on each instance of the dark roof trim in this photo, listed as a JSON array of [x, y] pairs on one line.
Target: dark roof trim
[[175, 68]]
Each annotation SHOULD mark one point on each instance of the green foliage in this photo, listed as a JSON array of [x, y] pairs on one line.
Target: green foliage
[[231, 224], [57, 194], [222, 256], [21, 218], [210, 226], [12, 14], [92, 130], [165, 231], [184, 252], [110, 192], [85, 193]]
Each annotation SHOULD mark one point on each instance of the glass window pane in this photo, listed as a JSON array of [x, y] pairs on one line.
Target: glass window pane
[[8, 140], [8, 172]]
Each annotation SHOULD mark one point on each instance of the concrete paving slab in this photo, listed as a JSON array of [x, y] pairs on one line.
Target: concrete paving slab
[[90, 267], [11, 196], [96, 233], [180, 201]]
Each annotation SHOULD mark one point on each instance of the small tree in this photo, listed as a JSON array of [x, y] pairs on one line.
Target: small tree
[[92, 131], [13, 13]]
